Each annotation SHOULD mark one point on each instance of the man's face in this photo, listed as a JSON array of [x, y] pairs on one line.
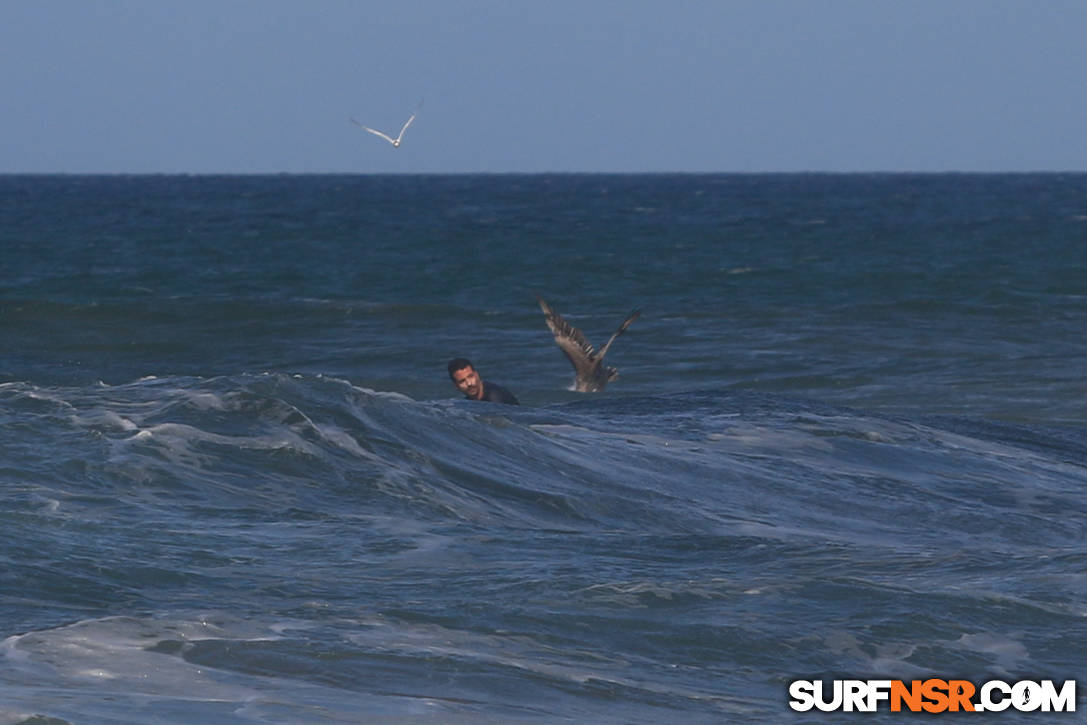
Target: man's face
[[467, 381]]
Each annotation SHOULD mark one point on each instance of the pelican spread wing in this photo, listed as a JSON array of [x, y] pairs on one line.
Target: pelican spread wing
[[591, 374], [573, 344], [622, 328]]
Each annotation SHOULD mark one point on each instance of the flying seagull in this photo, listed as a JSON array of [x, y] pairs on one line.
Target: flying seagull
[[399, 137], [592, 374]]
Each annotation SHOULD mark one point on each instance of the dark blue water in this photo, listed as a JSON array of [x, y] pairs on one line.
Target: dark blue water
[[848, 439]]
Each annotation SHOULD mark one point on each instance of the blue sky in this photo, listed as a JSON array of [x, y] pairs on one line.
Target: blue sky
[[267, 86]]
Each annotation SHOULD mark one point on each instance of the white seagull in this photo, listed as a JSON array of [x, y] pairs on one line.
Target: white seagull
[[394, 141]]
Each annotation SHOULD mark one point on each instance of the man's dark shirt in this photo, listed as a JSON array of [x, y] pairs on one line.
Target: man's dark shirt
[[497, 394]]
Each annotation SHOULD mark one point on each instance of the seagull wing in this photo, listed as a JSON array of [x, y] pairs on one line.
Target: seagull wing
[[377, 133], [570, 340], [405, 128], [622, 328]]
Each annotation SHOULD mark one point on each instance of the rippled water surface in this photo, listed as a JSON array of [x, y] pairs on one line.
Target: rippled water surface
[[236, 485]]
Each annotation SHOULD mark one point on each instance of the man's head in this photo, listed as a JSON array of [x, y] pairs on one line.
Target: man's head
[[465, 377]]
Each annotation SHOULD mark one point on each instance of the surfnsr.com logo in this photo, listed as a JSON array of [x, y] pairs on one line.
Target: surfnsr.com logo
[[932, 695]]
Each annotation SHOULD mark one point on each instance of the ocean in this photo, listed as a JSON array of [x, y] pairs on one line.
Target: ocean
[[848, 441]]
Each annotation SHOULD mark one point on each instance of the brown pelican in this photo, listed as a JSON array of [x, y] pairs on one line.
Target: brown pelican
[[592, 374], [394, 141]]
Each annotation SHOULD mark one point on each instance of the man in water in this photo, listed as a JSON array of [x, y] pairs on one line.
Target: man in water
[[467, 380]]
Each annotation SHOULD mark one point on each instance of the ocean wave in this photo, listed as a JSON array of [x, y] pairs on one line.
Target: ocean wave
[[701, 462], [504, 549]]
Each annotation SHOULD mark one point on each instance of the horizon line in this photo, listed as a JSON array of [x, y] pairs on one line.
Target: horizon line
[[809, 172]]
